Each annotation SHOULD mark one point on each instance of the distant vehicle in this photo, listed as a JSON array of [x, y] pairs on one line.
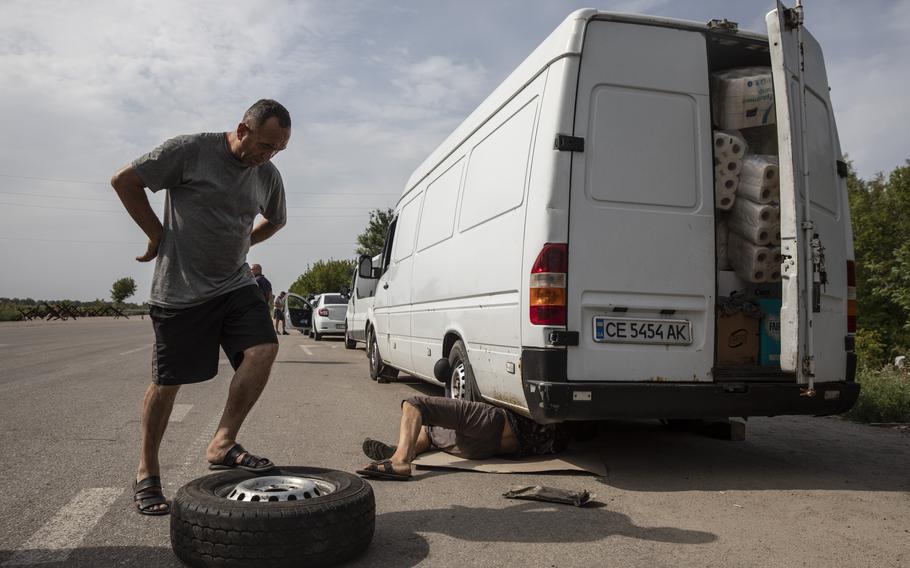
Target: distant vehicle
[[298, 314], [328, 315], [556, 255], [360, 308]]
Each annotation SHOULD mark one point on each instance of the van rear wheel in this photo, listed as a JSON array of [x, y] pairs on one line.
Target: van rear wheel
[[461, 383]]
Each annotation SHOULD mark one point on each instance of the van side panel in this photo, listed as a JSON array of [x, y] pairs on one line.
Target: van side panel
[[468, 283], [641, 226]]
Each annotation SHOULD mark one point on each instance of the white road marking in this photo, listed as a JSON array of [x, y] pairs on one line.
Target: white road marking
[[56, 540], [306, 350], [194, 463], [179, 412], [136, 350]]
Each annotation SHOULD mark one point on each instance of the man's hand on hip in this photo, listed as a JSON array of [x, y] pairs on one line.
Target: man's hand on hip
[[151, 252]]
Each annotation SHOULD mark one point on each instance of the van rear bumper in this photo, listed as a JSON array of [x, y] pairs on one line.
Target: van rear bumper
[[559, 401]]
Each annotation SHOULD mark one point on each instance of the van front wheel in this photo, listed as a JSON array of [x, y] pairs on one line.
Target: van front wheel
[[379, 371], [461, 383]]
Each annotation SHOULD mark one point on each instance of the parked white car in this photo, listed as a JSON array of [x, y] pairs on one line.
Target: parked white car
[[328, 315], [298, 314]]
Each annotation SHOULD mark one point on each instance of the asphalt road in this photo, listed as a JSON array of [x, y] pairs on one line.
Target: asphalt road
[[798, 492]]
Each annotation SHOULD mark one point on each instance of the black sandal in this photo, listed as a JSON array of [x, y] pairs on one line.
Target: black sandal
[[382, 470], [147, 494], [376, 450], [251, 463]]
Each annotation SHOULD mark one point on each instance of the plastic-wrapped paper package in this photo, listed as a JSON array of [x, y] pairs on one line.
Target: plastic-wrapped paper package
[[746, 212], [721, 231], [729, 143], [725, 191], [749, 260], [730, 165], [761, 170], [742, 98], [757, 234]]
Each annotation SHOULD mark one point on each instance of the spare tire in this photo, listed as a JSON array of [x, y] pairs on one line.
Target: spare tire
[[293, 516]]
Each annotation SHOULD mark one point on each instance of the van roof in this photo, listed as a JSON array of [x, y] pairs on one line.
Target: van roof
[[566, 40]]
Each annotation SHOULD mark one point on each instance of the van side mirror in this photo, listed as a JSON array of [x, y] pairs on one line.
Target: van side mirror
[[365, 268]]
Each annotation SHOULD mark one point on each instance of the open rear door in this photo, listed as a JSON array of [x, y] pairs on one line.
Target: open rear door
[[809, 188]]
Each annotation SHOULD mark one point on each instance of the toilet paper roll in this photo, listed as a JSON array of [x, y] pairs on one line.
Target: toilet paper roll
[[729, 144], [725, 191], [746, 212], [756, 234], [761, 170], [750, 261], [727, 165], [755, 192], [720, 234]]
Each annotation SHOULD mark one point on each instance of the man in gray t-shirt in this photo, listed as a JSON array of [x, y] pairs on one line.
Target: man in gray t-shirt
[[203, 295]]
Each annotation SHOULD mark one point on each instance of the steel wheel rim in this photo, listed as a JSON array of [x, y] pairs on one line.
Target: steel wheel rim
[[280, 488], [457, 381], [374, 358]]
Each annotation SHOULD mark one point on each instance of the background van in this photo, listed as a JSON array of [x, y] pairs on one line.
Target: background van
[[574, 250]]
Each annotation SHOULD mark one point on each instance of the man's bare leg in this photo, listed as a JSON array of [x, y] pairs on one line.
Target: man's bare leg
[[156, 409], [412, 439], [246, 386]]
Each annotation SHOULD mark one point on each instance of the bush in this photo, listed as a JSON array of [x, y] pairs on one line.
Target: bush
[[884, 396]]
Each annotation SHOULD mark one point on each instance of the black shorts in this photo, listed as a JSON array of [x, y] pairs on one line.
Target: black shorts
[[187, 340], [279, 314]]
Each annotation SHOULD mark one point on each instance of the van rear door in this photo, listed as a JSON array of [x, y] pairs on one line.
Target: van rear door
[[814, 215], [640, 288]]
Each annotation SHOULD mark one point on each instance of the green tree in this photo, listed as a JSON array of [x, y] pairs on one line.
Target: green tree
[[881, 232], [123, 289], [324, 276], [370, 241]]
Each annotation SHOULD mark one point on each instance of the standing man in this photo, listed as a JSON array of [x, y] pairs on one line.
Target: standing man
[[264, 285], [203, 295], [279, 312]]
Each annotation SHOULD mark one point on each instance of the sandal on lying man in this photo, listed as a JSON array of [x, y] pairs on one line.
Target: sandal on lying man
[[376, 450], [149, 498], [249, 462], [383, 470]]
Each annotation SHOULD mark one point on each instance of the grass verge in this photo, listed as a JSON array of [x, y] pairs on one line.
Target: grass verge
[[884, 396]]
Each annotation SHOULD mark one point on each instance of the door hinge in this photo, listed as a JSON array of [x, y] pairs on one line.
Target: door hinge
[[566, 143], [809, 365], [723, 24], [793, 17], [558, 338], [842, 169]]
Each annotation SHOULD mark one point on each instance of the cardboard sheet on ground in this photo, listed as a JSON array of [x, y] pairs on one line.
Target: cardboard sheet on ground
[[585, 460]]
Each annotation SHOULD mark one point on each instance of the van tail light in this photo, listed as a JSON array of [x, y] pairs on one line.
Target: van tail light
[[324, 312], [851, 296], [548, 285]]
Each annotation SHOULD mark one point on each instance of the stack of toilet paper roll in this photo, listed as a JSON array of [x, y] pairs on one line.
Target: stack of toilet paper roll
[[742, 97], [729, 149], [753, 243]]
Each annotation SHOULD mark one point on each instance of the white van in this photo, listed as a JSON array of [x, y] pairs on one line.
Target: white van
[[360, 308], [556, 254]]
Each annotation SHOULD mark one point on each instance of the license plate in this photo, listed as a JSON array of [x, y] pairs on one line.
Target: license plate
[[634, 330], [339, 326]]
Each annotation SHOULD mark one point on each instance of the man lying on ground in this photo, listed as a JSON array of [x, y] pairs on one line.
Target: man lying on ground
[[470, 430]]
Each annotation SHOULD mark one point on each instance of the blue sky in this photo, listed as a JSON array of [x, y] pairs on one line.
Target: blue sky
[[373, 87]]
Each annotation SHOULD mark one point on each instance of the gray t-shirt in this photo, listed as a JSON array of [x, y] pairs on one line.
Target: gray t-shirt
[[211, 203]]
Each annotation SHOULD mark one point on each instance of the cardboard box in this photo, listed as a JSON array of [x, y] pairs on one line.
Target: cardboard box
[[737, 340], [769, 341]]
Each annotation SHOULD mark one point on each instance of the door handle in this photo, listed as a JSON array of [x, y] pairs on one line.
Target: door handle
[[385, 286]]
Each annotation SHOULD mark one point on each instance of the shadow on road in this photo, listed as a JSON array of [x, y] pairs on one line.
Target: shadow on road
[[783, 453]]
